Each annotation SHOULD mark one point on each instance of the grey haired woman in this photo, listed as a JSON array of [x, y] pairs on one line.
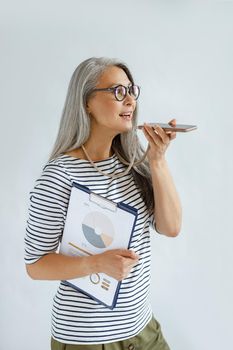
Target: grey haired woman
[[97, 146]]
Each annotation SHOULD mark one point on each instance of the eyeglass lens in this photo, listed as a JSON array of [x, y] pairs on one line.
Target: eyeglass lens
[[121, 92]]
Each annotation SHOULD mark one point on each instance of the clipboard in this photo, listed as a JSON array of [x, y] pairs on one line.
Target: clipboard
[[93, 225]]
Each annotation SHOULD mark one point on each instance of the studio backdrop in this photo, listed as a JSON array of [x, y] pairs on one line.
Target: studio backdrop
[[181, 54]]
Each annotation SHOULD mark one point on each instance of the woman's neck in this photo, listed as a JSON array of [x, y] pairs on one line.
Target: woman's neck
[[98, 149]]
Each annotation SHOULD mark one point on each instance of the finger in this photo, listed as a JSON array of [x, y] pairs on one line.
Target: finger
[[147, 135], [163, 135], [172, 122], [154, 135], [134, 255], [126, 253], [172, 135], [151, 137]]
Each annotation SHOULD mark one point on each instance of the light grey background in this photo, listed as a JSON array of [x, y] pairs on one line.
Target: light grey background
[[180, 53]]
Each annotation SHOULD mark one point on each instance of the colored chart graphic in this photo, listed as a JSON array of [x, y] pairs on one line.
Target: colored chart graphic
[[98, 229]]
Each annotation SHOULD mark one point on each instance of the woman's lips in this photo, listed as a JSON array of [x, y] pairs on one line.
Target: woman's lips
[[126, 115]]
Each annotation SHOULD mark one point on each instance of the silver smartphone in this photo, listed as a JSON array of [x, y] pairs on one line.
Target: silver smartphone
[[177, 128]]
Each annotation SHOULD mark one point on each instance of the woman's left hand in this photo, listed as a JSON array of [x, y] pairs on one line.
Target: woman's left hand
[[159, 140]]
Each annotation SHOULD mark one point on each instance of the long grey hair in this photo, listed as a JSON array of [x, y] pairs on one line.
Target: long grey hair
[[75, 123]]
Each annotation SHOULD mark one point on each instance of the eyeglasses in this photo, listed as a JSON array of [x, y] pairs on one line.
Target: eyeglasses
[[120, 91]]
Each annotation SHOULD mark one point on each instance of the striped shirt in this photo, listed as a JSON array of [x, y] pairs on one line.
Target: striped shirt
[[77, 318]]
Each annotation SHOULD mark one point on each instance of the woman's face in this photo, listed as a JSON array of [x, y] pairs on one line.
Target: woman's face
[[105, 111]]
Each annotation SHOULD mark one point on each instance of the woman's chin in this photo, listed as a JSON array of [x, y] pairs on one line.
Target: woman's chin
[[126, 126]]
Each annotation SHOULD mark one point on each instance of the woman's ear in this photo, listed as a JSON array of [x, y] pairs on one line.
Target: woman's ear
[[88, 109]]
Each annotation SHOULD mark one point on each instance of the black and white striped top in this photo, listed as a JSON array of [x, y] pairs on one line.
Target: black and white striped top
[[76, 318]]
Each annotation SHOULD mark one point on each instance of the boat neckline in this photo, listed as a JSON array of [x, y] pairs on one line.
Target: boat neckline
[[86, 160]]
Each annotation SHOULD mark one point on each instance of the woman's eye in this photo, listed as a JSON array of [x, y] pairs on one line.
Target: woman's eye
[[120, 92]]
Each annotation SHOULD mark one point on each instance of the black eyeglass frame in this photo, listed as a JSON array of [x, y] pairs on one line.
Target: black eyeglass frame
[[127, 89]]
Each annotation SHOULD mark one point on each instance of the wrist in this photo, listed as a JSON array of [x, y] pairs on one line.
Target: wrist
[[93, 264], [158, 163]]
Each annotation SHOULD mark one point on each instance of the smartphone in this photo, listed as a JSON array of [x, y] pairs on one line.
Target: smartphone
[[177, 128]]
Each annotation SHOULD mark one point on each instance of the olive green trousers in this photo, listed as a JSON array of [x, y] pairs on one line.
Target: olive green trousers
[[150, 338]]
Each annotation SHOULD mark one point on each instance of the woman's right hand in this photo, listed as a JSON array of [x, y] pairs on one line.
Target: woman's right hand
[[116, 263]]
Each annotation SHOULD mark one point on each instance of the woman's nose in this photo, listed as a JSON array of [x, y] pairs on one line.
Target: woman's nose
[[129, 100]]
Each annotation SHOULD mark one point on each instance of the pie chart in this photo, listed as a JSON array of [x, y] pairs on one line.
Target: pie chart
[[98, 229]]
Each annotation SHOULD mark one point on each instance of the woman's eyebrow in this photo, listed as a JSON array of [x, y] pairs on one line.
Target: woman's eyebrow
[[117, 84]]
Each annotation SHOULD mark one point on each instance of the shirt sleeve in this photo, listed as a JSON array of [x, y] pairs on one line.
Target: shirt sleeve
[[152, 221], [47, 212]]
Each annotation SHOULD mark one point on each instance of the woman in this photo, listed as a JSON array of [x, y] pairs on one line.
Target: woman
[[97, 146]]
